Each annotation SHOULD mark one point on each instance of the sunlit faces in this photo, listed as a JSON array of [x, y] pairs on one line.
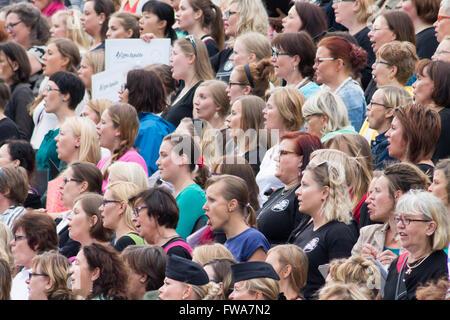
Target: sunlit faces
[[344, 11], [216, 207], [377, 114], [80, 223], [17, 30], [325, 70], [233, 121], [136, 284], [241, 292], [172, 290], [272, 116], [6, 68], [186, 16], [284, 64], [5, 156], [240, 55], [180, 62], [111, 211], [414, 234], [116, 29], [169, 162], [89, 113], [315, 123], [38, 285], [146, 225], [439, 186], [41, 4], [52, 98], [150, 23], [292, 22], [409, 8], [235, 88], [288, 162], [382, 72], [273, 258], [231, 20], [423, 88], [53, 60], [85, 73], [82, 277], [310, 194], [90, 20], [70, 189], [58, 29], [397, 143], [442, 26], [67, 143], [380, 33], [107, 132], [204, 105], [21, 251], [381, 203]]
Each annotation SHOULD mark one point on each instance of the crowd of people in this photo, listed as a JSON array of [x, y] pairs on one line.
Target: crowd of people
[[292, 153]]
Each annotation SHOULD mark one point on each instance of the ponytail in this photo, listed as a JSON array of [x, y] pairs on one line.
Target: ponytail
[[251, 217], [212, 19]]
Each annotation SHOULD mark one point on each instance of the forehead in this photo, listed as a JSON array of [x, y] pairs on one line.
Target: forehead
[[236, 107], [380, 21], [287, 144], [214, 189], [322, 52]]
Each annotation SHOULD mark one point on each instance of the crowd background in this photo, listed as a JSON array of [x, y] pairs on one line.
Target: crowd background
[[293, 150]]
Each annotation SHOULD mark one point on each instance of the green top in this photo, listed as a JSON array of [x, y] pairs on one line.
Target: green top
[[190, 201], [151, 295], [47, 151], [347, 129]]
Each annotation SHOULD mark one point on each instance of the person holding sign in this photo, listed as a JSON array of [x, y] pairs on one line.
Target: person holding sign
[[157, 20]]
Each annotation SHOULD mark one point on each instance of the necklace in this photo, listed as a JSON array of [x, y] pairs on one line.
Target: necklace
[[416, 264]]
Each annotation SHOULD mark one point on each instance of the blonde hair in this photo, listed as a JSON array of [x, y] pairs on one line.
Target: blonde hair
[[401, 54], [344, 291], [293, 255], [207, 252], [289, 102], [84, 129], [129, 172], [208, 291], [331, 105], [202, 66], [75, 31], [6, 237], [123, 191], [219, 95], [394, 96], [252, 17], [256, 43], [99, 105], [366, 10], [268, 287]]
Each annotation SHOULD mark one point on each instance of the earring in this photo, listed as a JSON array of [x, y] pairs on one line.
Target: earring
[[63, 100]]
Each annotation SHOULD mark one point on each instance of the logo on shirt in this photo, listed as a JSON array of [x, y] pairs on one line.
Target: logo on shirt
[[228, 66], [310, 246], [281, 205]]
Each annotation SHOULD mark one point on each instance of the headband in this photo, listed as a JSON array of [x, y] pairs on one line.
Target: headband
[[249, 76]]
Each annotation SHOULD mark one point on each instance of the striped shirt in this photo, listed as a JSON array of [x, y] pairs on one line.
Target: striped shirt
[[11, 214]]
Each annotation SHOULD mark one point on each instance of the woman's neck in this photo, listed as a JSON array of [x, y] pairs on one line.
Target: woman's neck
[[181, 183], [162, 235], [217, 122], [319, 219], [419, 26], [337, 81], [190, 81], [419, 252], [62, 114], [354, 26], [289, 292], [235, 226], [291, 184], [122, 229], [293, 78], [97, 40], [196, 30]]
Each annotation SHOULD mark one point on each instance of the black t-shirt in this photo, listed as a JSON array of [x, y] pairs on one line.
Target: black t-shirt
[[432, 268], [426, 43], [331, 241], [211, 45], [8, 129], [17, 109], [442, 150], [364, 42], [183, 108], [279, 216], [222, 64], [177, 249]]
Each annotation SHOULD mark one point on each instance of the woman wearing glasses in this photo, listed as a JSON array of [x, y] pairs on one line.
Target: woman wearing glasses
[[117, 214], [422, 224], [293, 58], [190, 65], [331, 232], [442, 24], [380, 241], [279, 215]]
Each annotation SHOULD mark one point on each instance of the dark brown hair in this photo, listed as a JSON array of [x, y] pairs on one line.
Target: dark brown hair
[[16, 53], [86, 171], [405, 176], [260, 73], [146, 91], [439, 72], [401, 25], [427, 10], [314, 20], [106, 7]]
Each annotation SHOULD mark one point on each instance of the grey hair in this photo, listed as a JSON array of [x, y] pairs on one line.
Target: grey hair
[[445, 4]]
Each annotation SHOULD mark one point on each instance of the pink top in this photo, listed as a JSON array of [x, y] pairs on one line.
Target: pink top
[[129, 156], [52, 8]]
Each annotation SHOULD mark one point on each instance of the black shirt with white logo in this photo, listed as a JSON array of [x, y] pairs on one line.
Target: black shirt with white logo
[[331, 241]]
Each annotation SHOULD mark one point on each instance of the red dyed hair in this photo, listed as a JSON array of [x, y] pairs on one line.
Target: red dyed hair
[[340, 48], [305, 144]]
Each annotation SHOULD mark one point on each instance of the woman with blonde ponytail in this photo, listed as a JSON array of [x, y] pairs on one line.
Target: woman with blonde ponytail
[[227, 208], [331, 232]]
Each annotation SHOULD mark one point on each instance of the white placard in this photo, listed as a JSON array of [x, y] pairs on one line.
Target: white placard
[[136, 53], [106, 84]]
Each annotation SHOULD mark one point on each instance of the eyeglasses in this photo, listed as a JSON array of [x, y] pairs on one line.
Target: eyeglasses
[[105, 201], [284, 152], [276, 53], [372, 28], [237, 84], [383, 62], [308, 117], [18, 237], [371, 104], [439, 18], [31, 275], [228, 13], [48, 88], [66, 180], [12, 25], [320, 60], [192, 40], [407, 221], [339, 1], [138, 209]]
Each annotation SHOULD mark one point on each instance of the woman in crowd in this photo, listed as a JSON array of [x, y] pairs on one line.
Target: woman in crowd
[[16, 70], [423, 224], [144, 90], [49, 277], [380, 112], [389, 26], [432, 89], [95, 19], [157, 19], [240, 17], [49, 7], [306, 17], [190, 63], [117, 130], [34, 233], [85, 221], [117, 214], [91, 63], [219, 271], [93, 110], [331, 232], [283, 113], [246, 129], [211, 103], [21, 153], [165, 73], [423, 14], [442, 52], [337, 59], [156, 217], [326, 115], [279, 215], [197, 16], [291, 264], [255, 280], [8, 127], [128, 172], [98, 273], [61, 55], [146, 271], [405, 144], [441, 25], [228, 209], [180, 163], [67, 24], [250, 47], [381, 241], [63, 94], [293, 60], [441, 182], [123, 25]]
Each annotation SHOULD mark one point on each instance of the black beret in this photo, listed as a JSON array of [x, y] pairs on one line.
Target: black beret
[[185, 270], [253, 269]]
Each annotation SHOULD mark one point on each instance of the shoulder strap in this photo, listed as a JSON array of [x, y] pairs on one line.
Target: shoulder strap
[[136, 238], [401, 260], [178, 243]]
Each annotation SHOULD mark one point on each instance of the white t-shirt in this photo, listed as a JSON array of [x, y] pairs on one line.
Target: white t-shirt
[[19, 288], [265, 179]]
